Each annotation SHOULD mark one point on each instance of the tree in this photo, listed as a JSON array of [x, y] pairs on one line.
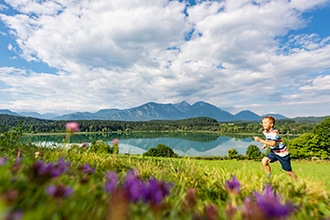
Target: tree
[[323, 132], [313, 144], [161, 151], [253, 152], [232, 154], [304, 146]]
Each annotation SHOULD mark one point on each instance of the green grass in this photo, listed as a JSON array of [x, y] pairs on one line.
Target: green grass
[[311, 171], [311, 193]]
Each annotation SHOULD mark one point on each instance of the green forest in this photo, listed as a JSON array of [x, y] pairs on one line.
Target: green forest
[[308, 139], [34, 125]]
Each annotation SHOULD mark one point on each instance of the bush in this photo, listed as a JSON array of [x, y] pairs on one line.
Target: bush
[[233, 153], [161, 151], [101, 147], [253, 152]]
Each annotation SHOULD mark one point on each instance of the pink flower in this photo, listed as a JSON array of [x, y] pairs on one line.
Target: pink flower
[[115, 141], [72, 127], [85, 144]]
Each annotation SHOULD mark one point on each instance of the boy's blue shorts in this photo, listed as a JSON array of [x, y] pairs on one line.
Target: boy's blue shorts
[[285, 161]]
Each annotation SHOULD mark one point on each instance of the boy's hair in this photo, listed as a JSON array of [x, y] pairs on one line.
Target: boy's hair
[[271, 118]]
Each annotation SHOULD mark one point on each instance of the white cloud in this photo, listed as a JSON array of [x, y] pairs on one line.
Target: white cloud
[[121, 54], [320, 83], [10, 47]]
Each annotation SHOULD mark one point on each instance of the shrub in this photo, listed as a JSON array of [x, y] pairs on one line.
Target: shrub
[[161, 151], [101, 147], [253, 152]]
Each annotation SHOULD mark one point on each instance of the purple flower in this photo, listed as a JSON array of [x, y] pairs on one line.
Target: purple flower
[[233, 185], [59, 191], [270, 204], [111, 182], [135, 189], [62, 165], [87, 169], [15, 215], [133, 186], [155, 191], [3, 161], [151, 191], [42, 172]]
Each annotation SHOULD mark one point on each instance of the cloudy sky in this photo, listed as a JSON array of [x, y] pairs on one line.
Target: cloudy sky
[[267, 56]]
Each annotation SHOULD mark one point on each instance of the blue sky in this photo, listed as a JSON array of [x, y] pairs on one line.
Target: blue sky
[[262, 55]]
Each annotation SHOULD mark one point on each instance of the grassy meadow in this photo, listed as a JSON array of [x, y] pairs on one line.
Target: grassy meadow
[[309, 171], [92, 181], [75, 183]]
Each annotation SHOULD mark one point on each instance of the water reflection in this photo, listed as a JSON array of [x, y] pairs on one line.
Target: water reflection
[[189, 144]]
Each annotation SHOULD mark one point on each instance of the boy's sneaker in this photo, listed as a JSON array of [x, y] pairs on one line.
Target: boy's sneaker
[[269, 175]]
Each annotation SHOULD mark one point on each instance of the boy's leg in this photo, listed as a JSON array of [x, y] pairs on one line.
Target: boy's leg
[[265, 163], [293, 175], [286, 165], [269, 158]]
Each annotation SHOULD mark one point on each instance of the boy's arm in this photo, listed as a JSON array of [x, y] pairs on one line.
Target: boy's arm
[[265, 142]]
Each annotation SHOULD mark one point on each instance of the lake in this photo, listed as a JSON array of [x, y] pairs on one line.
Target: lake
[[184, 144]]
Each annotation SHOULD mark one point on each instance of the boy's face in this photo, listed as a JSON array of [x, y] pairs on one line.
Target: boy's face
[[267, 124]]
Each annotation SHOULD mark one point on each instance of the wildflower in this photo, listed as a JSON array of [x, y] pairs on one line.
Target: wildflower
[[10, 196], [155, 191], [133, 186], [43, 172], [190, 200], [211, 212], [72, 127], [247, 207], [111, 182], [15, 215], [3, 161], [233, 186], [59, 191], [115, 141], [269, 204], [62, 165], [36, 154], [85, 144], [87, 169]]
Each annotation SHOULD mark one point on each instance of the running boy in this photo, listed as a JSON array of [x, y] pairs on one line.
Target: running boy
[[278, 151]]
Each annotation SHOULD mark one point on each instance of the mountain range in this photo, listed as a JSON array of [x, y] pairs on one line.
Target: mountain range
[[153, 111]]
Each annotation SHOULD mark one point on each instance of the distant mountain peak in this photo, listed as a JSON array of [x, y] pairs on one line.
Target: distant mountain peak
[[7, 112], [247, 115], [154, 111]]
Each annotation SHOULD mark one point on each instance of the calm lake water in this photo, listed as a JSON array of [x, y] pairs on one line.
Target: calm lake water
[[184, 144]]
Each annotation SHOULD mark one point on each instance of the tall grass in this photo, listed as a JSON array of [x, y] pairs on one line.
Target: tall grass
[[22, 194]]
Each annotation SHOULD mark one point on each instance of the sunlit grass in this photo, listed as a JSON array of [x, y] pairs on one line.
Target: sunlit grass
[[206, 177], [313, 171]]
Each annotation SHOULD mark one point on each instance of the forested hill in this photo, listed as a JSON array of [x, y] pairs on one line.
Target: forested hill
[[29, 124]]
